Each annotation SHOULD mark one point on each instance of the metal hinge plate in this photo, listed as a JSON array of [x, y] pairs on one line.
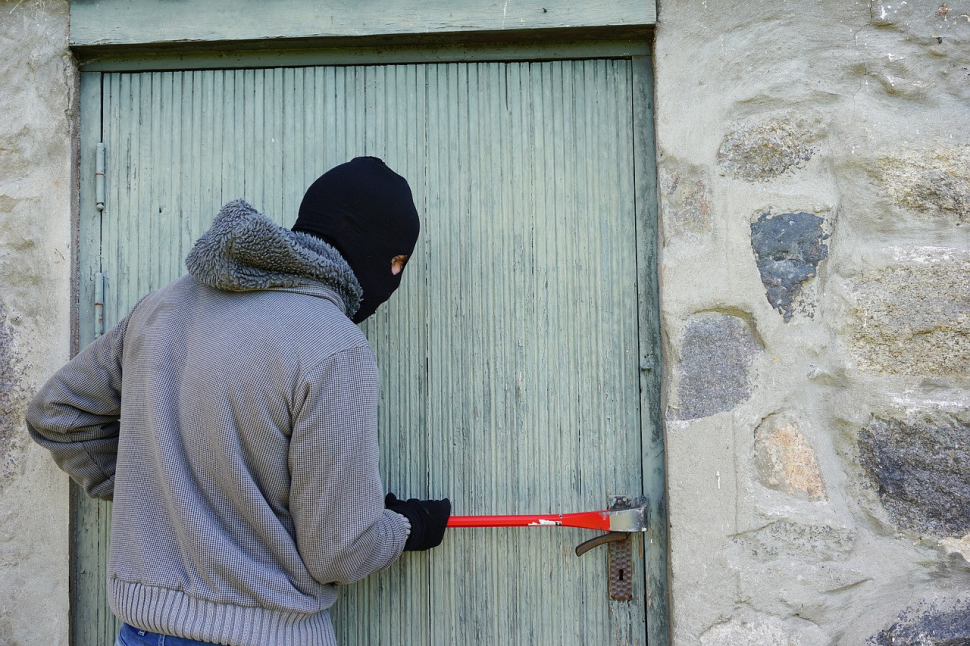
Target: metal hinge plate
[[98, 304], [99, 178]]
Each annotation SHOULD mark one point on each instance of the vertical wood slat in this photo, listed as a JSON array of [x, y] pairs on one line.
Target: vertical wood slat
[[352, 106], [509, 356], [89, 518], [654, 461]]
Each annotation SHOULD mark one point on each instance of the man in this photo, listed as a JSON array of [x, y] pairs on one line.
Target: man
[[232, 418]]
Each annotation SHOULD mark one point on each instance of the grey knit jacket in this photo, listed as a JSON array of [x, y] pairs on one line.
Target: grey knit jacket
[[232, 417]]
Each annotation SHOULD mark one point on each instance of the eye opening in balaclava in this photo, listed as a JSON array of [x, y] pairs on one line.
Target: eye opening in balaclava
[[366, 212]]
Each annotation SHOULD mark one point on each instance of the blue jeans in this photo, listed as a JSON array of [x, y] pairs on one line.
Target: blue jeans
[[131, 636]]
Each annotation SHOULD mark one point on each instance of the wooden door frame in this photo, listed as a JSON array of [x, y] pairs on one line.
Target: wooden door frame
[[637, 49]]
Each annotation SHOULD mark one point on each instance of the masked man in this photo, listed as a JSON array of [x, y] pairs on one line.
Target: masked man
[[232, 418]]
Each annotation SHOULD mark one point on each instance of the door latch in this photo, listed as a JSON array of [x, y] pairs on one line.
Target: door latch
[[620, 552]]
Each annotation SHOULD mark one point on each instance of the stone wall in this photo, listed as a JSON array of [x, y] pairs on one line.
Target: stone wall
[[38, 123], [814, 174]]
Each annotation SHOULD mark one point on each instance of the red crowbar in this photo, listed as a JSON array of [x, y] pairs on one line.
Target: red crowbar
[[608, 520]]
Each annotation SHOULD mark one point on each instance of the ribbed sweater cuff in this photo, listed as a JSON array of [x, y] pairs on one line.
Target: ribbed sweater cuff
[[172, 612]]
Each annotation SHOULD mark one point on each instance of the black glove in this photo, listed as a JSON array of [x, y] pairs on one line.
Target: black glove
[[428, 520]]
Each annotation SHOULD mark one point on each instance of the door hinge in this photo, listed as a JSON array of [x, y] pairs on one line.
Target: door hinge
[[99, 178], [98, 304]]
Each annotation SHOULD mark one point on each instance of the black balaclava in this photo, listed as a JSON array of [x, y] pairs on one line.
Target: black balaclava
[[365, 211]]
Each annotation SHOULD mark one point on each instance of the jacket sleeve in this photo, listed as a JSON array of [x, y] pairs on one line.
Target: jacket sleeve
[[76, 414], [336, 496]]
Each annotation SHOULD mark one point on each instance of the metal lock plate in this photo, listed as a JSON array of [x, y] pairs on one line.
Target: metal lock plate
[[621, 569], [621, 558]]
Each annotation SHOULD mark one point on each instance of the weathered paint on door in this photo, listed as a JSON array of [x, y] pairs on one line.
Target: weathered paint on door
[[511, 357]]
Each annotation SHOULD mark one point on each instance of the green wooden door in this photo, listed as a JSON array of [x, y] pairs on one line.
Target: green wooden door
[[517, 359]]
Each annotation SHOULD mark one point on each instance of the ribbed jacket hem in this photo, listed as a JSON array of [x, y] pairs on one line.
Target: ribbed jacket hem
[[172, 612]]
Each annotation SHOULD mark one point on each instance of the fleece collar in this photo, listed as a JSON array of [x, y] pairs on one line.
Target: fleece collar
[[246, 251]]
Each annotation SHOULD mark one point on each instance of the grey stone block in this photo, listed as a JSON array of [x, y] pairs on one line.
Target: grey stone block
[[943, 622], [935, 182], [914, 318], [686, 200], [716, 356], [788, 248], [921, 470], [762, 150]]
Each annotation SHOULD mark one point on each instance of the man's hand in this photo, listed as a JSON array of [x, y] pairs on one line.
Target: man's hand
[[428, 519]]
